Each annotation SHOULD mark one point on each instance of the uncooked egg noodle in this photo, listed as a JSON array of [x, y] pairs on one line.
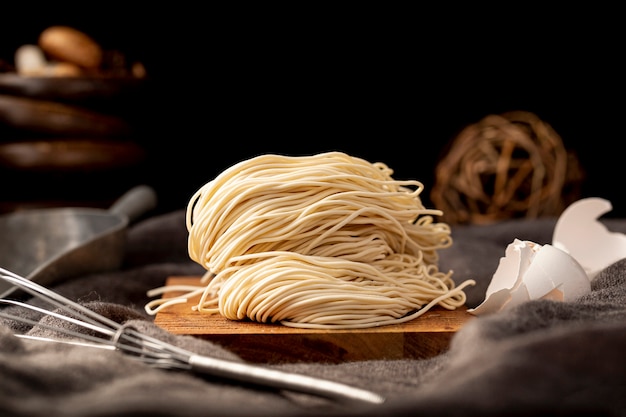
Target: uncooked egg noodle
[[327, 241]]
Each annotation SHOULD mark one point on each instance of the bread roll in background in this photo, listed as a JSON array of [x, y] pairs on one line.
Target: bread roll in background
[[64, 43]]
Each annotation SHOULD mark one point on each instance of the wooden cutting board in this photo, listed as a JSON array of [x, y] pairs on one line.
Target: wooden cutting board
[[423, 337]]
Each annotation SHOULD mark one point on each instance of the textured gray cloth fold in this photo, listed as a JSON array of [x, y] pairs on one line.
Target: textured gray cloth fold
[[543, 357]]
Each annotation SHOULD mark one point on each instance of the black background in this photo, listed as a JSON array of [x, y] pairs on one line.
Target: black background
[[391, 84]]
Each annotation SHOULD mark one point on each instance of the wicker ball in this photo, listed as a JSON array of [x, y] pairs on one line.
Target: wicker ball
[[505, 166]]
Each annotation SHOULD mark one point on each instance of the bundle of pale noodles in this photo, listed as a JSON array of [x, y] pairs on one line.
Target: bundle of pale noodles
[[323, 241]]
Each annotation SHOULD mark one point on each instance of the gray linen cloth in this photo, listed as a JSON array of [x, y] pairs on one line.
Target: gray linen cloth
[[542, 358]]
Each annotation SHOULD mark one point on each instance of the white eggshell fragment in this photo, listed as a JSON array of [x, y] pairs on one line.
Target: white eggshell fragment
[[530, 271], [581, 247], [579, 233]]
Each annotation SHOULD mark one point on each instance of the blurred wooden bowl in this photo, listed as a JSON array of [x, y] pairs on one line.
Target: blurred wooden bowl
[[70, 154], [76, 89]]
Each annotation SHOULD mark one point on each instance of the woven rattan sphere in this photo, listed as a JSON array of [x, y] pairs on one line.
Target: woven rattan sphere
[[505, 166]]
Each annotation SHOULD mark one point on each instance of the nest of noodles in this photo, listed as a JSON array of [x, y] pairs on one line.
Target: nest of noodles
[[512, 165]]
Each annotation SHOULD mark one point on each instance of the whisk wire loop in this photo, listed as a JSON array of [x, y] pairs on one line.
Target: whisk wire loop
[[57, 300], [63, 330]]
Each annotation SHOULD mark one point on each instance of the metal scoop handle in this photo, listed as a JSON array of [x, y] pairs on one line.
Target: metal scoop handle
[[135, 202]]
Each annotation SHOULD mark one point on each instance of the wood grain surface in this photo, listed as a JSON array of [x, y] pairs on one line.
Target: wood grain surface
[[423, 337]]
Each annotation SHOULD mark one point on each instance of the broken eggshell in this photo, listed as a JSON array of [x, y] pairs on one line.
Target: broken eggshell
[[579, 233], [581, 247], [530, 271]]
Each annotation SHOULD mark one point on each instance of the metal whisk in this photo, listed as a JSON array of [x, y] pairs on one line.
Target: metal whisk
[[108, 334]]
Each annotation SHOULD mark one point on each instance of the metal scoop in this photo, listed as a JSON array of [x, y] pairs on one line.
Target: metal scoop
[[50, 245]]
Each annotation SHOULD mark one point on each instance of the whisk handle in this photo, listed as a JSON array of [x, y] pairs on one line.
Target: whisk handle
[[282, 380]]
